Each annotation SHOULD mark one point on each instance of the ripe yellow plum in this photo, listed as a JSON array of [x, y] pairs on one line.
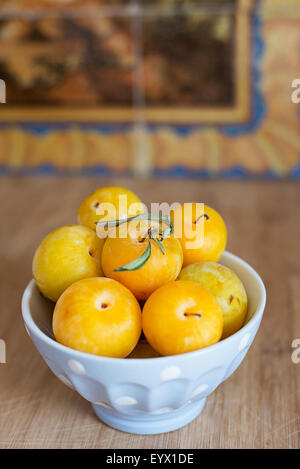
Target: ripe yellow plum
[[181, 317], [227, 288], [98, 316], [201, 231], [64, 256], [109, 203]]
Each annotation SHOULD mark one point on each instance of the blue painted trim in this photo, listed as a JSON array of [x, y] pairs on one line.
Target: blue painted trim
[[234, 173], [52, 171], [258, 110]]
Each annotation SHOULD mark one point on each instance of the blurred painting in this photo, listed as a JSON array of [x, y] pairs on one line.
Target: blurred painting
[[183, 63]]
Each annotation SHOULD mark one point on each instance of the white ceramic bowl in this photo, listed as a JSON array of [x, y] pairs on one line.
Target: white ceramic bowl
[[150, 395]]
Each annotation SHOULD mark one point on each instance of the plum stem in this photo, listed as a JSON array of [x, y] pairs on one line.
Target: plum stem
[[203, 215], [193, 314]]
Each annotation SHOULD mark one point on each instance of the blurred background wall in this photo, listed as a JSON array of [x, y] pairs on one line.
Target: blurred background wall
[[151, 87]]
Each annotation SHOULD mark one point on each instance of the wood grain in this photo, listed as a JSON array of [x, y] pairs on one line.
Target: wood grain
[[258, 407]]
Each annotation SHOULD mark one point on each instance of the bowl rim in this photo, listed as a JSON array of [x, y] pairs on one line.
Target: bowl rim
[[35, 330]]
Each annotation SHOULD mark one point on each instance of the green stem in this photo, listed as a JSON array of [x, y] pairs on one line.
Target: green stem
[[138, 263]]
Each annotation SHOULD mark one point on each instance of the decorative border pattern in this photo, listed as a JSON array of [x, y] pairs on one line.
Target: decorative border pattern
[[268, 146]]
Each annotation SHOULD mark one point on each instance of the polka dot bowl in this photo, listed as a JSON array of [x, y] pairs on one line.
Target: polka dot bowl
[[149, 395]]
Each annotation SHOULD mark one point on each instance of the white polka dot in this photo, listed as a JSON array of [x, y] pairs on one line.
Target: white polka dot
[[66, 381], [101, 404], [126, 400], [172, 372], [244, 341], [76, 367], [199, 389], [164, 410]]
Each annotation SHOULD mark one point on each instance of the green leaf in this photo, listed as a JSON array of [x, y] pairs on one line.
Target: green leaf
[[138, 263], [159, 245], [112, 223], [141, 216]]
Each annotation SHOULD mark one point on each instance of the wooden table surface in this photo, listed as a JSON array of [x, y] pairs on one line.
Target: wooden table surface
[[258, 407]]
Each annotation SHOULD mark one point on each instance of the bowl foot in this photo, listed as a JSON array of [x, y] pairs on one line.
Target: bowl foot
[[145, 423]]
